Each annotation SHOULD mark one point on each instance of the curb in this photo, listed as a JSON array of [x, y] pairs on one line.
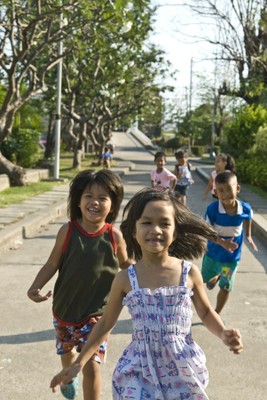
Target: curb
[[259, 226], [13, 235]]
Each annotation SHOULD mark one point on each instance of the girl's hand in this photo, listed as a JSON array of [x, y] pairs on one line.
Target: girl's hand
[[232, 338], [65, 376], [34, 295], [251, 242]]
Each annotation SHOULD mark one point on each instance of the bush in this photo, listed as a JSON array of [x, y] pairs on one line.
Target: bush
[[22, 147], [252, 170], [173, 143], [198, 150]]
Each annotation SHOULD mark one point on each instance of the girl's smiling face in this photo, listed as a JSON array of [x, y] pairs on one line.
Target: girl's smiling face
[[155, 228], [220, 164], [95, 204]]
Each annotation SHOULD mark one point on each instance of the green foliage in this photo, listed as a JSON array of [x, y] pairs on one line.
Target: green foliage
[[217, 149], [22, 147], [241, 132], [198, 150], [252, 170], [173, 143], [260, 146]]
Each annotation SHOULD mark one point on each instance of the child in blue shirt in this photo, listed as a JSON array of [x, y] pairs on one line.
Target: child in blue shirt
[[232, 219], [183, 174]]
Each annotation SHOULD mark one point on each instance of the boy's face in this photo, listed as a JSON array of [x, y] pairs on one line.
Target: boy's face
[[160, 162], [227, 192]]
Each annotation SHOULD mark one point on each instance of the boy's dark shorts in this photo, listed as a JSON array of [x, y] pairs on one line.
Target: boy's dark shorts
[[181, 189]]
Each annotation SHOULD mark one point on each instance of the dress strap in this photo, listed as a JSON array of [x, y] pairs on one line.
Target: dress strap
[[133, 277], [186, 266]]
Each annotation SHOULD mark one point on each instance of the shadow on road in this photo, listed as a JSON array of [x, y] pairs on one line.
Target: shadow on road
[[32, 337]]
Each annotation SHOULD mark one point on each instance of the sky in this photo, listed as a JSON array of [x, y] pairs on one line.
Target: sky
[[175, 29]]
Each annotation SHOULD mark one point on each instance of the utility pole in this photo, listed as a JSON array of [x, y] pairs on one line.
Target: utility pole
[[58, 105], [191, 85], [214, 108]]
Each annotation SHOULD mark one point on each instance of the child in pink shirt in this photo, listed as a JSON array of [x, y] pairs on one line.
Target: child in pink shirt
[[161, 177]]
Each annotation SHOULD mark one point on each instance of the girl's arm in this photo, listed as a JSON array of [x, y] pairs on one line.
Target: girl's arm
[[230, 337], [208, 188], [247, 228], [124, 260], [49, 269], [173, 183], [100, 332]]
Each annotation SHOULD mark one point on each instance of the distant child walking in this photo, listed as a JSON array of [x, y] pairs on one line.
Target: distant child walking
[[87, 255], [183, 175], [162, 178], [232, 219], [223, 162], [162, 361], [106, 157]]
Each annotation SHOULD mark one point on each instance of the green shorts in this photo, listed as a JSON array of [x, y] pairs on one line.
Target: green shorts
[[226, 270]]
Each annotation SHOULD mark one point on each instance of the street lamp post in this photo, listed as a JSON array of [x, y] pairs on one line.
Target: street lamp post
[[58, 106]]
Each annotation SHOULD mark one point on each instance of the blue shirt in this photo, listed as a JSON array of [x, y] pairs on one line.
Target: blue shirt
[[227, 226], [185, 175]]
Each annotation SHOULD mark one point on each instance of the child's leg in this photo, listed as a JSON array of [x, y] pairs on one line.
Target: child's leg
[[222, 298], [91, 380], [228, 271], [67, 359]]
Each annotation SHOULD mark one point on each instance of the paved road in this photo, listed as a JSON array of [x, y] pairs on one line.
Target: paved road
[[27, 354]]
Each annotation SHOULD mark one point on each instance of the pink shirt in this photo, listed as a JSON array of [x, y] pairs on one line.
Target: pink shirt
[[162, 179]]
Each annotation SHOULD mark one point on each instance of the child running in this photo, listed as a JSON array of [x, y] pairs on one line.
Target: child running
[[162, 361], [223, 162], [183, 175], [87, 255], [162, 178], [227, 216]]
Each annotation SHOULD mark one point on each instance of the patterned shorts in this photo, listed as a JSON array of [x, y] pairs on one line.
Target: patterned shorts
[[227, 271], [69, 337]]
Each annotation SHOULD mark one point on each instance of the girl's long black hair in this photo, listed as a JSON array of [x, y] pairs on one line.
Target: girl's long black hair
[[191, 230]]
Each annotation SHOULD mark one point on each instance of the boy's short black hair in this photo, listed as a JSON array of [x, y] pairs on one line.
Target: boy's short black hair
[[225, 177], [160, 154]]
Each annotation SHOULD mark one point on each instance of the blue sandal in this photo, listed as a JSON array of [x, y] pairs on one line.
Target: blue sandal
[[70, 390]]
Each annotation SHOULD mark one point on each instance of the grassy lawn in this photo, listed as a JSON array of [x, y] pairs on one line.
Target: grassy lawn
[[16, 195]]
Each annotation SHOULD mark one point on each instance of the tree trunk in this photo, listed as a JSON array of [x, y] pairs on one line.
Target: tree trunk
[[16, 174], [77, 156], [49, 148]]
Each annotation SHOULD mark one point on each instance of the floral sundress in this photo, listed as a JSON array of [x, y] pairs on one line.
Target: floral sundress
[[162, 362]]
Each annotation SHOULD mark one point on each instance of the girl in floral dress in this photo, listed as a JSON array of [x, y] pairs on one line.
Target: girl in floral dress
[[162, 361]]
